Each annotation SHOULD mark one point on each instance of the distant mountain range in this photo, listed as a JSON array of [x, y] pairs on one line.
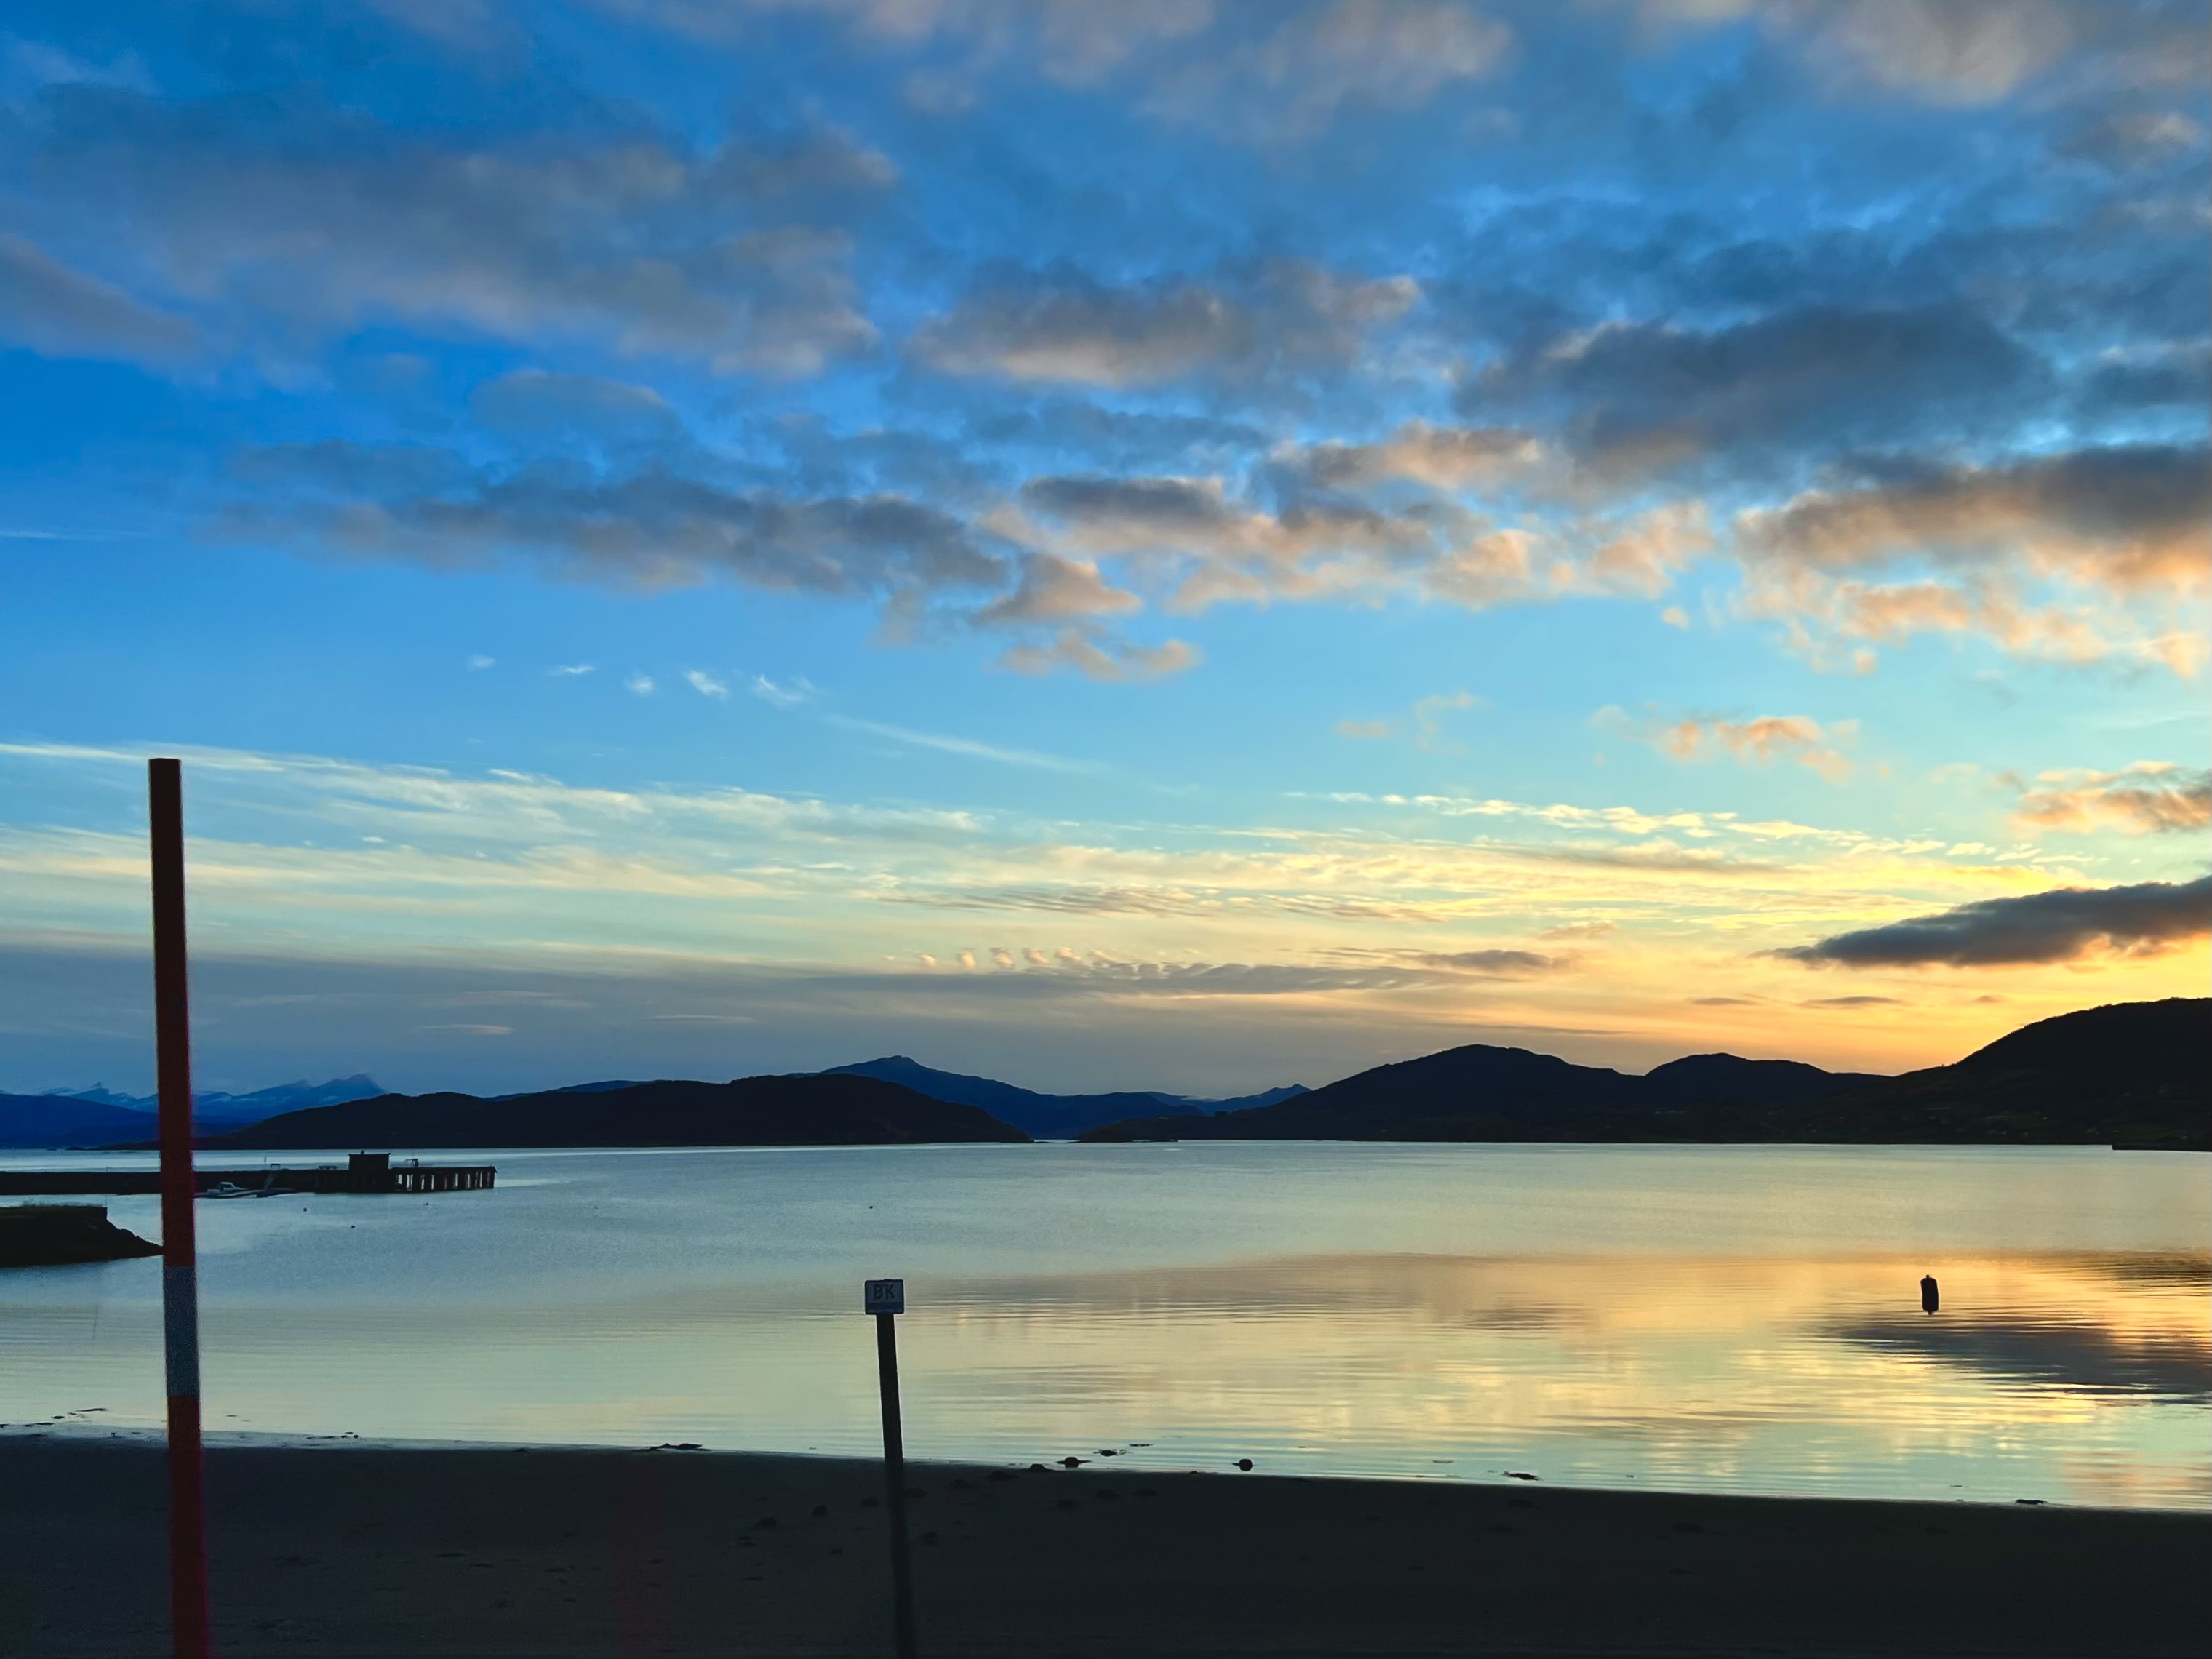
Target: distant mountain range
[[99, 1115], [805, 1110], [2124, 1075], [1050, 1117]]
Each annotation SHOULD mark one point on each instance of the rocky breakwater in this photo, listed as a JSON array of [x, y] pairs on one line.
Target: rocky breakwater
[[57, 1235]]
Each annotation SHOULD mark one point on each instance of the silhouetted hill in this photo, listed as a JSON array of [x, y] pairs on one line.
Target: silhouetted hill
[[2125, 1073], [757, 1111], [1052, 1116], [68, 1121], [1714, 1078], [2129, 1072]]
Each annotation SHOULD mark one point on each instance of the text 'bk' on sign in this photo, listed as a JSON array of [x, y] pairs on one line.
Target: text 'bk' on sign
[[884, 1296]]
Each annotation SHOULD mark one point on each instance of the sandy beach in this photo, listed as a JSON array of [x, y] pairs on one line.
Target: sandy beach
[[356, 1549]]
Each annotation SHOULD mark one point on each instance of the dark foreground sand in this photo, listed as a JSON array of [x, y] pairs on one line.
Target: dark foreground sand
[[369, 1550]]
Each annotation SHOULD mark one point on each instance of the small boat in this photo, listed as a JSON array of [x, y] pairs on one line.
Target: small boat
[[268, 1188]]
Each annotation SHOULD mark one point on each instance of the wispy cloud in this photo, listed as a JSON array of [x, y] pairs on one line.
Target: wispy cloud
[[572, 671], [945, 742], [790, 693], [1756, 741], [401, 861], [705, 683]]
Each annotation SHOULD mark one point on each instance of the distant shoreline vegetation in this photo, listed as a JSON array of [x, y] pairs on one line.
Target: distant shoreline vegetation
[[2127, 1074]]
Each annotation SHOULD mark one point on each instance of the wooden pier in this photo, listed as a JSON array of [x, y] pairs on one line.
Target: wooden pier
[[362, 1172]]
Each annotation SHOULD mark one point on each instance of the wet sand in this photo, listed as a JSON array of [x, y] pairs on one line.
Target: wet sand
[[346, 1550]]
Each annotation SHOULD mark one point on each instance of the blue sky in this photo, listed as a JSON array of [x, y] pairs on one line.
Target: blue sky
[[1166, 544]]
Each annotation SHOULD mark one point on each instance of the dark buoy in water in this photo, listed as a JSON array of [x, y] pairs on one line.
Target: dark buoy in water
[[1928, 1301]]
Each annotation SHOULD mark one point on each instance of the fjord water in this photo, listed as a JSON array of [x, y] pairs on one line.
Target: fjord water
[[1741, 1319]]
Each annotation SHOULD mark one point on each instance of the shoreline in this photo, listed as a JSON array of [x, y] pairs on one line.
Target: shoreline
[[381, 1547], [149, 1435]]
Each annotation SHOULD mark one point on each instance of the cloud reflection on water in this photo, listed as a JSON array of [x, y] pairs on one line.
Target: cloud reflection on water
[[1312, 1332]]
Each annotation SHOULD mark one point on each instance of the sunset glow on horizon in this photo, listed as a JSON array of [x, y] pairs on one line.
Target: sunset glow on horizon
[[1186, 546]]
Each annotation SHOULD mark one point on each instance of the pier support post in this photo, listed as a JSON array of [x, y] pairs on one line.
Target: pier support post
[[180, 1312]]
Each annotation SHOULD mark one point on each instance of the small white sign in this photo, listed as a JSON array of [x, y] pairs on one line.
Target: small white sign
[[884, 1296]]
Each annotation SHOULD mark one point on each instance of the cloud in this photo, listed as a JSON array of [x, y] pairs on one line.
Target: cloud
[[1753, 742], [291, 220], [1491, 964], [65, 312], [706, 684], [1053, 590], [1363, 729], [2062, 925], [1957, 53], [1294, 80], [1852, 1002], [2134, 138], [1447, 458], [657, 528], [1073, 42], [651, 528], [34, 63], [1632, 398], [2151, 797], [572, 671], [1266, 74], [1648, 553], [1099, 658], [1279, 317], [639, 685], [1100, 975], [538, 404], [2130, 518], [2167, 374], [1214, 548], [480, 661], [1944, 51], [2120, 526], [792, 695], [945, 744]]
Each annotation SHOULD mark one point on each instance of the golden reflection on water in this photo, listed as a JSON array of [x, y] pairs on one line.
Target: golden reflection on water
[[1808, 1373], [2069, 1376]]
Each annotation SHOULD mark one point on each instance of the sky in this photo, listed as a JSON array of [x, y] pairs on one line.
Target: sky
[[1168, 544]]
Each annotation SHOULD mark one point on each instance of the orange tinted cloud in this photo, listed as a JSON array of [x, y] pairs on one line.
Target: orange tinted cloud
[[1756, 741], [2131, 519], [2149, 798]]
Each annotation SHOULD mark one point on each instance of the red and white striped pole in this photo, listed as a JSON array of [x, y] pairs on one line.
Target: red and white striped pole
[[180, 1300]]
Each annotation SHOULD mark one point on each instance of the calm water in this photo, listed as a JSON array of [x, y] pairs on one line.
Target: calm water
[[1739, 1319]]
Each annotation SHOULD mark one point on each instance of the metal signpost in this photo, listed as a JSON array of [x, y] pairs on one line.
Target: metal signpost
[[886, 1299], [180, 1302]]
